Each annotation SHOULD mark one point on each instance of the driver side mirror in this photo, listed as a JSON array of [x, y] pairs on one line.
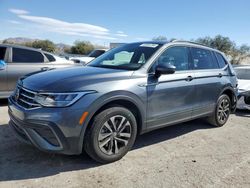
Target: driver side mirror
[[2, 65], [164, 68]]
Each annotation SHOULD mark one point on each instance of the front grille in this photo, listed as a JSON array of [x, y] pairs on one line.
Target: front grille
[[25, 98]]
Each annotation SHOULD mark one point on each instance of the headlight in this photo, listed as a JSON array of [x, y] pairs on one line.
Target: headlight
[[59, 99]]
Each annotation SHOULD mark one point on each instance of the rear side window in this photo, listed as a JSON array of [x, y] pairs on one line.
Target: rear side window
[[203, 59], [177, 56], [2, 53], [26, 56], [222, 62], [50, 57]]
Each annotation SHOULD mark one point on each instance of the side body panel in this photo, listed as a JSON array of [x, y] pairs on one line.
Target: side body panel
[[170, 99], [3, 76]]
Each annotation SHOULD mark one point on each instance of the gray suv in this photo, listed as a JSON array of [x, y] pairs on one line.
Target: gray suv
[[130, 90], [17, 61]]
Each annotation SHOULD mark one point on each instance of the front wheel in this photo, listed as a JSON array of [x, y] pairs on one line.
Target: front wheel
[[111, 135], [222, 111]]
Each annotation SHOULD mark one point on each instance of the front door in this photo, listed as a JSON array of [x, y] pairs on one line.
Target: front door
[[170, 97]]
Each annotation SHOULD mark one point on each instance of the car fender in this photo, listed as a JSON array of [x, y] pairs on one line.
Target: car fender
[[107, 98]]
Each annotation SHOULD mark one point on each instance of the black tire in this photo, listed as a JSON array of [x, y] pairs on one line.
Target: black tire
[[216, 118], [96, 136]]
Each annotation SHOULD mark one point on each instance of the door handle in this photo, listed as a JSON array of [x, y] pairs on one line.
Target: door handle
[[44, 68], [189, 78], [220, 75]]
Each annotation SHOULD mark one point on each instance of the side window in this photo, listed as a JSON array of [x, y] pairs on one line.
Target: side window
[[50, 57], [2, 53], [203, 59], [177, 56], [26, 56], [142, 59], [222, 62]]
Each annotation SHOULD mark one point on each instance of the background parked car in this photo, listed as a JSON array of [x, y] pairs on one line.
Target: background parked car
[[20, 61], [86, 59], [243, 74]]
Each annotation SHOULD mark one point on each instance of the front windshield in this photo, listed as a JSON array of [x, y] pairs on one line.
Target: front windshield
[[96, 53], [128, 56], [243, 73]]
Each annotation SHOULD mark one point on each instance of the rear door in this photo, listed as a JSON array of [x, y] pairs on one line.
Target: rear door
[[208, 80], [24, 61], [3, 72]]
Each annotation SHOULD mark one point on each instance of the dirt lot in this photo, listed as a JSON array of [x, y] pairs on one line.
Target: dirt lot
[[193, 154]]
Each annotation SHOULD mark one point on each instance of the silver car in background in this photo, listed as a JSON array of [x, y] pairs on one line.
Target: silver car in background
[[243, 75], [17, 61]]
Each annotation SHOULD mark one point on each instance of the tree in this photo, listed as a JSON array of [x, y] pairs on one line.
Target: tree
[[227, 46], [240, 53], [219, 42], [45, 45], [5, 41], [82, 47], [160, 38]]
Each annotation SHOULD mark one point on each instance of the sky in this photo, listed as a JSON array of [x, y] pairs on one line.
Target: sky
[[102, 22]]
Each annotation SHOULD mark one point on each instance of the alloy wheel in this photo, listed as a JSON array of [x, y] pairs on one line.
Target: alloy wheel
[[223, 110], [114, 135]]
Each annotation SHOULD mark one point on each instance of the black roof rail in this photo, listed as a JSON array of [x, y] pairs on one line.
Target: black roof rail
[[190, 42]]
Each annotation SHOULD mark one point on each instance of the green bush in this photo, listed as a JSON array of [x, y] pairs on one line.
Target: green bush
[[82, 47]]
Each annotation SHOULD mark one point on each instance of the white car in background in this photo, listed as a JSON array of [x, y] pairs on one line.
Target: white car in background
[[243, 75], [86, 59]]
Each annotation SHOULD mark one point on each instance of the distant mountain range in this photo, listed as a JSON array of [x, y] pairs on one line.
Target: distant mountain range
[[18, 40]]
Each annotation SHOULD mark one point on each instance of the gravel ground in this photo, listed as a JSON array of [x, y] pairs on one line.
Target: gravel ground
[[192, 154]]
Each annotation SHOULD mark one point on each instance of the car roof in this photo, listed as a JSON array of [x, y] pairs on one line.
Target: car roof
[[26, 47], [23, 47], [181, 42], [150, 42]]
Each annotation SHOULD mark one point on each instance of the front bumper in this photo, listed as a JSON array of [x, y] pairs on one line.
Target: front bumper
[[54, 130]]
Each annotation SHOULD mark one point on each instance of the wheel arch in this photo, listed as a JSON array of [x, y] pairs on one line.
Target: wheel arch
[[232, 95], [124, 99]]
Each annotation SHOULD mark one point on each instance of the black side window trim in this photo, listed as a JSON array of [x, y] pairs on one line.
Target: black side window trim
[[12, 55], [49, 56], [226, 63], [215, 58], [190, 57]]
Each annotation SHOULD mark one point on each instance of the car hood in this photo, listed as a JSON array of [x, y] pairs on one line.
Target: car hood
[[244, 85], [72, 79]]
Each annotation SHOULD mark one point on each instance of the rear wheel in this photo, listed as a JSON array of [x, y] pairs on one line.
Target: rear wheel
[[112, 135], [222, 111]]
